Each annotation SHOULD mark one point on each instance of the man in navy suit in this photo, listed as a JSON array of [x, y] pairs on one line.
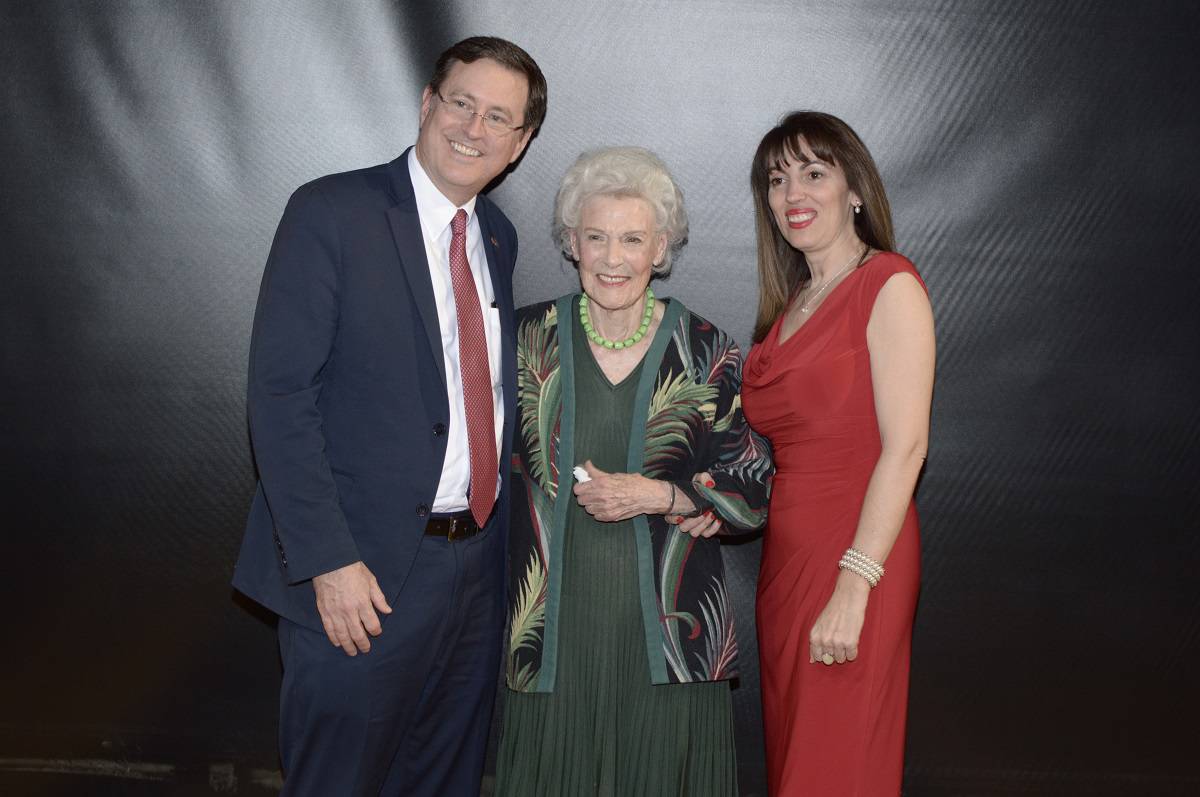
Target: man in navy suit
[[382, 391]]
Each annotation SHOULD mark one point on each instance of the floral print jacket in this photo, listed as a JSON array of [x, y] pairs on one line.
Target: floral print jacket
[[688, 420]]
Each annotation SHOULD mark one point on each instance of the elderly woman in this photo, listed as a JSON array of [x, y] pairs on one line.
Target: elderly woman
[[620, 632], [840, 381]]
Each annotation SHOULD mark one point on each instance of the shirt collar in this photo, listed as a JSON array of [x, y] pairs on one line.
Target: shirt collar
[[434, 208]]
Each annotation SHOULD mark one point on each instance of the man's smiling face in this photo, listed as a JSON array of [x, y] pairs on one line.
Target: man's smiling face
[[461, 156]]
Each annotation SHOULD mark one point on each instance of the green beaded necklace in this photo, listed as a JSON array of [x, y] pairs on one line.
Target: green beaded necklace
[[595, 337]]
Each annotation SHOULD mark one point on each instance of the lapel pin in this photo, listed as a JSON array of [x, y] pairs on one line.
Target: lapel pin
[[495, 243]]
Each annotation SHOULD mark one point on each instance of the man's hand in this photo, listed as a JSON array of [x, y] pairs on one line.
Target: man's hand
[[347, 599]]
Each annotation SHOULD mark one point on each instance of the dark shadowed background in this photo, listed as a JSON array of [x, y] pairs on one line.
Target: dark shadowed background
[[1040, 158]]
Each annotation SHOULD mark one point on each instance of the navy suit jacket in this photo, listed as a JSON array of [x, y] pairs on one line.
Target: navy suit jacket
[[347, 388]]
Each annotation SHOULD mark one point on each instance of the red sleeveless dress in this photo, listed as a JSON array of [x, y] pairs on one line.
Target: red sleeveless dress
[[834, 731]]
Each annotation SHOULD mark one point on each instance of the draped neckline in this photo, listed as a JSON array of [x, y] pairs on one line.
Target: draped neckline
[[777, 329], [765, 360]]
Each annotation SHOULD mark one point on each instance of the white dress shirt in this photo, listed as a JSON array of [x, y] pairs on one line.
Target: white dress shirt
[[436, 212]]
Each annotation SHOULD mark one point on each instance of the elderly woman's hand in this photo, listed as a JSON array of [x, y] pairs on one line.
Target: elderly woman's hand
[[620, 496]]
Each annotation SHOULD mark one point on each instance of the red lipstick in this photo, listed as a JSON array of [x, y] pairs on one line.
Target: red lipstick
[[794, 221]]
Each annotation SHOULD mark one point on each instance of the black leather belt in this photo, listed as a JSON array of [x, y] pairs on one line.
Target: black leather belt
[[457, 526]]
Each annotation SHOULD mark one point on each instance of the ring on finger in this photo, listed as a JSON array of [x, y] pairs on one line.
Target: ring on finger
[[827, 658]]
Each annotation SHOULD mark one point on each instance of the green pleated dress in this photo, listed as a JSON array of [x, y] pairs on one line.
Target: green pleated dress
[[606, 730]]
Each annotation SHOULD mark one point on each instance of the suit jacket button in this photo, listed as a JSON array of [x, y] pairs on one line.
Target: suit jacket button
[[422, 510], [439, 429]]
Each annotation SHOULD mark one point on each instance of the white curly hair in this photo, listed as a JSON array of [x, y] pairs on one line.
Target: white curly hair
[[626, 172]]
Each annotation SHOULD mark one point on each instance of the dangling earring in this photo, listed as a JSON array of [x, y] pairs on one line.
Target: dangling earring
[[857, 209]]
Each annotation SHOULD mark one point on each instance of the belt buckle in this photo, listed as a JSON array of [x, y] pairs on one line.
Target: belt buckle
[[453, 534]]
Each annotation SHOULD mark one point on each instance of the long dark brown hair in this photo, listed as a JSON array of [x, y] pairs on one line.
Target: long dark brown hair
[[782, 270]]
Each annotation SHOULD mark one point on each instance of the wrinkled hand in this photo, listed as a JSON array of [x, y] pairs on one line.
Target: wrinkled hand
[[840, 623], [620, 496], [347, 599]]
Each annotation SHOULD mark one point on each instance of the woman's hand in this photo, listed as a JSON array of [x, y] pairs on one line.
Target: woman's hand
[[620, 496], [840, 623], [705, 525]]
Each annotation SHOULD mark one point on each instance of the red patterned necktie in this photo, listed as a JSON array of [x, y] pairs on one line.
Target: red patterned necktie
[[476, 376]]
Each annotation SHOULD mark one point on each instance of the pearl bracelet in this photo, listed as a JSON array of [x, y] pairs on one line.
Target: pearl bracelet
[[862, 565]]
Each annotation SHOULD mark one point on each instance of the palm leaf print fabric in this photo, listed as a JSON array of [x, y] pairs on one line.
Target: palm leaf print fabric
[[689, 400]]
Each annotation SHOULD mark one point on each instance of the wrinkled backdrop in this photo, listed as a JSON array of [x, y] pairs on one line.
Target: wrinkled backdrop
[[1040, 160]]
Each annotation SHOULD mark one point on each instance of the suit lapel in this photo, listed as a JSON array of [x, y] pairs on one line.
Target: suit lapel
[[410, 245], [500, 264]]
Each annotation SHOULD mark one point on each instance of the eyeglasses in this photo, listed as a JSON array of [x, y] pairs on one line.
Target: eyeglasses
[[463, 110]]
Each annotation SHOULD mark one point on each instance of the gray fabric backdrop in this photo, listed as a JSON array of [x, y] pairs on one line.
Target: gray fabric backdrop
[[1039, 158]]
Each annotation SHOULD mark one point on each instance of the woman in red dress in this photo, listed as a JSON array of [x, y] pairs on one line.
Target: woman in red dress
[[840, 381]]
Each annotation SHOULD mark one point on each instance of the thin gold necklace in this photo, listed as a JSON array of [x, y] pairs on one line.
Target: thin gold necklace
[[805, 308]]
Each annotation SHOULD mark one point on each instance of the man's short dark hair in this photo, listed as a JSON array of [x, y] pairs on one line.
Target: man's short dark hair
[[507, 55]]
